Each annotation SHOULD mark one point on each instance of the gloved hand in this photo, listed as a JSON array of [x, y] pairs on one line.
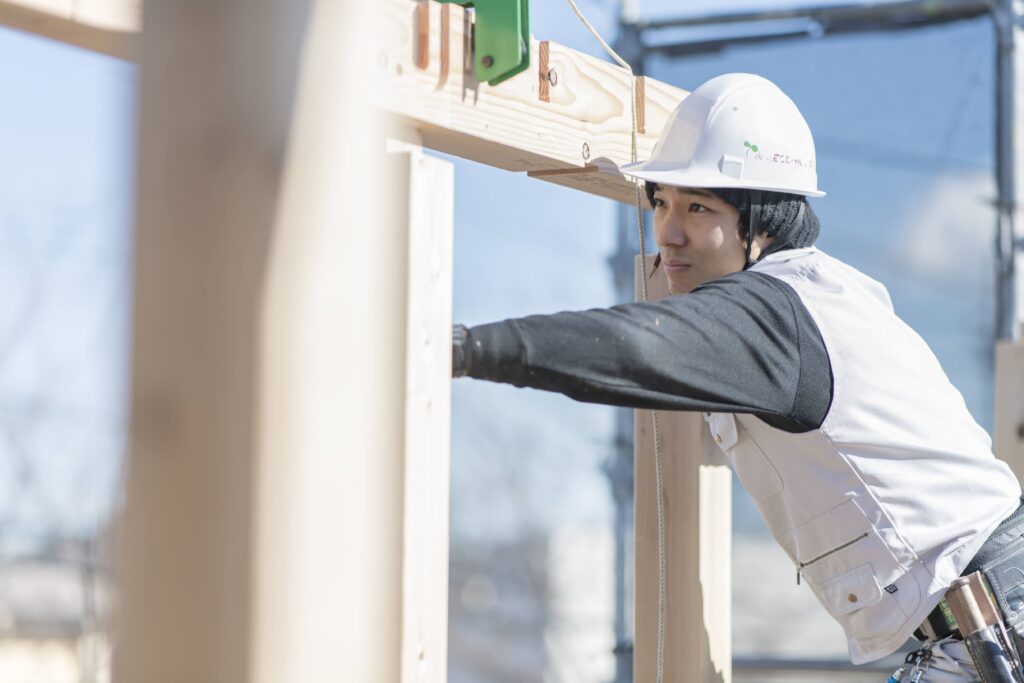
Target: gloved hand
[[462, 360]]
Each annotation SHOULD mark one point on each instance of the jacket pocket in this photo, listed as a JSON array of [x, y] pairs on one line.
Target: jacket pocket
[[801, 565], [823, 545], [862, 607], [851, 591], [854, 574], [755, 471]]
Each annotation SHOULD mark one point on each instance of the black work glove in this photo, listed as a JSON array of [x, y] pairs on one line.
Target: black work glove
[[462, 360]]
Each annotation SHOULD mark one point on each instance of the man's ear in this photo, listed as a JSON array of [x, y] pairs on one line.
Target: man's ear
[[743, 234]]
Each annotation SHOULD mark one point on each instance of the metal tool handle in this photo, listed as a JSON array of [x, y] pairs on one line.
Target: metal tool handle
[[971, 606], [979, 623]]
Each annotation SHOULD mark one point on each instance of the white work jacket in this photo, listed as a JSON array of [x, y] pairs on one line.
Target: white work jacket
[[884, 505]]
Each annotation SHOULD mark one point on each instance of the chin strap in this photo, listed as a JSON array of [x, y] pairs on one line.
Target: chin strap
[[657, 262], [753, 223]]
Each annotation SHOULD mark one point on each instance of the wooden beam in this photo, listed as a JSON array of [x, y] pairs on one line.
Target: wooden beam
[[110, 27], [1009, 406], [697, 486], [569, 112]]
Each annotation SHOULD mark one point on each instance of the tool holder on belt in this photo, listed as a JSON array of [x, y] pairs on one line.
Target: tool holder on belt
[[1001, 561], [983, 631]]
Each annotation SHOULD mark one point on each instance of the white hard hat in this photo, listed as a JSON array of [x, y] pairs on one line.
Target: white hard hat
[[736, 130]]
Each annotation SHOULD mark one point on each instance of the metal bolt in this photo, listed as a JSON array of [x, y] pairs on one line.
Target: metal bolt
[[586, 152], [487, 61], [552, 77]]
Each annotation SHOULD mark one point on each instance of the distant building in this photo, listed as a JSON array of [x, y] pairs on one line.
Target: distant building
[[579, 639], [498, 611], [53, 623]]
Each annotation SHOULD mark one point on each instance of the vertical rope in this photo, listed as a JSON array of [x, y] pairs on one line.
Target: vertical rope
[[638, 201]]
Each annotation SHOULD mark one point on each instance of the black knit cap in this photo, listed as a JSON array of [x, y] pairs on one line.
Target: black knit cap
[[786, 217]]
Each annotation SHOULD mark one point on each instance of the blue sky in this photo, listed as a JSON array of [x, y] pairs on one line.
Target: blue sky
[[66, 185]]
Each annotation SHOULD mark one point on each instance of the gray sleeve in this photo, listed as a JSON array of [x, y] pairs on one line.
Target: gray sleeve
[[744, 343]]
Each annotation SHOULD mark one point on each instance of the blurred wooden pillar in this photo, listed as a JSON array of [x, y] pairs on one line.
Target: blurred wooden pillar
[[272, 399], [698, 536], [1009, 405]]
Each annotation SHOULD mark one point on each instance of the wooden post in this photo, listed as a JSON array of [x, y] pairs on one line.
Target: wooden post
[[1009, 405], [311, 567], [214, 105], [698, 532], [429, 187], [263, 532]]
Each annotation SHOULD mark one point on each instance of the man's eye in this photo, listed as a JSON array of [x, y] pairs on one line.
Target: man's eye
[[657, 202], [697, 208]]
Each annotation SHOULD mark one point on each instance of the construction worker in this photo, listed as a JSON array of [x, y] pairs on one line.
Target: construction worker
[[836, 417]]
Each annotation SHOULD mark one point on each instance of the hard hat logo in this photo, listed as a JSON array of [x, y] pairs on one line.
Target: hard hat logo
[[779, 158], [734, 131]]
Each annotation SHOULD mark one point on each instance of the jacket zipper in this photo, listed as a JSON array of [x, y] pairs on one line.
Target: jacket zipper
[[801, 566]]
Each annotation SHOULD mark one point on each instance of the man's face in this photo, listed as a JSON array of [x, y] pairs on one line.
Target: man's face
[[698, 237]]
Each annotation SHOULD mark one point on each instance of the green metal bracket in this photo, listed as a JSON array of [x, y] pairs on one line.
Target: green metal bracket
[[501, 39]]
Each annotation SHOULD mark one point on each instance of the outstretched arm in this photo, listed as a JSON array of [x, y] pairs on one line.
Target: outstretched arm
[[741, 344]]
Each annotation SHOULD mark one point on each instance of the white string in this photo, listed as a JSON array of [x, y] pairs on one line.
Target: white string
[[643, 287]]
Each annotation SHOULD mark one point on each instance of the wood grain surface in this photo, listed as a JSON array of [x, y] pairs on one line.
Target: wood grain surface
[[568, 111], [697, 486]]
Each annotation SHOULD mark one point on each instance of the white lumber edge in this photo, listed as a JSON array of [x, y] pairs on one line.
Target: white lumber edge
[[431, 192]]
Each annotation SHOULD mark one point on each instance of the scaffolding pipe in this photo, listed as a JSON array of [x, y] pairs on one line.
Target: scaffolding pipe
[[1009, 175], [911, 13]]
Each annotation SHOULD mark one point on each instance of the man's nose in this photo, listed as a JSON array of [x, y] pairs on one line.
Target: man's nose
[[669, 232]]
